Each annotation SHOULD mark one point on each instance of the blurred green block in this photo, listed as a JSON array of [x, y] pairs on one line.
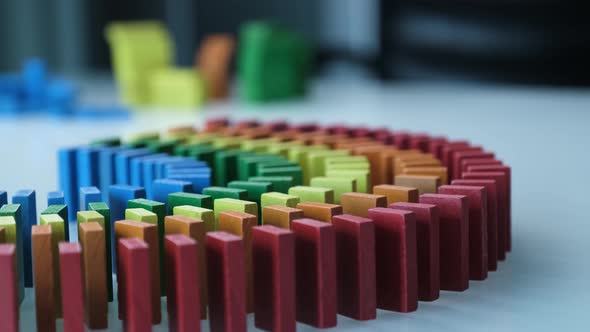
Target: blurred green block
[[12, 234], [313, 194], [247, 164], [224, 192], [206, 215], [182, 198], [166, 146], [227, 142], [177, 87], [95, 216], [293, 171], [276, 198], [231, 204], [226, 166], [254, 189], [282, 148], [108, 141], [142, 215], [279, 183], [103, 209], [273, 63], [62, 211], [339, 185], [142, 139], [362, 177], [257, 145], [316, 161]]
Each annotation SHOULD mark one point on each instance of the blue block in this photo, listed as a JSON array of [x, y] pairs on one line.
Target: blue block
[[68, 178], [28, 203], [106, 168], [34, 76], [137, 168], [150, 172], [163, 187], [3, 198], [89, 195], [119, 195], [199, 180], [184, 162], [123, 164], [55, 198], [61, 97], [88, 174]]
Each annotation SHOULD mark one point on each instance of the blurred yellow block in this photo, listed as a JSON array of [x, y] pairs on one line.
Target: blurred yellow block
[[174, 87]]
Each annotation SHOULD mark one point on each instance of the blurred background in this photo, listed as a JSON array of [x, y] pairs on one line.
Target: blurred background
[[525, 41]]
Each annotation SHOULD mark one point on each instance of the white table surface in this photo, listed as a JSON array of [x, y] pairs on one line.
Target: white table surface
[[543, 133]]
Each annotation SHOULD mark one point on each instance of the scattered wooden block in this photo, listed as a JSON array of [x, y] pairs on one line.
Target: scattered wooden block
[[43, 266], [454, 240], [502, 215], [182, 277], [338, 185], [148, 233], [72, 286], [440, 171], [206, 215], [355, 265], [133, 279], [428, 233], [280, 216], [226, 284], [195, 229], [396, 259], [92, 239], [9, 302], [315, 273], [478, 223], [426, 184], [358, 204], [273, 253], [395, 193], [492, 226], [241, 224], [320, 211]]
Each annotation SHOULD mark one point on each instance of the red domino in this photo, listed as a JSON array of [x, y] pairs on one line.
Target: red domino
[[502, 215], [478, 233], [506, 170], [355, 264], [273, 254], [182, 283], [435, 146], [454, 239], [451, 158], [460, 156], [383, 136], [427, 238], [492, 226], [447, 151], [419, 142], [133, 270], [9, 298], [360, 132], [315, 257], [477, 162], [396, 259], [72, 286], [226, 282], [401, 140]]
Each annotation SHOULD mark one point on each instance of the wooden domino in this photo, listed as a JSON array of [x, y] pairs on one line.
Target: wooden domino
[[358, 204], [72, 286], [92, 239], [134, 279], [426, 184], [182, 277], [396, 259], [9, 311], [226, 282], [315, 257], [320, 211], [57, 235], [43, 265], [395, 193], [280, 216], [27, 201], [355, 264]]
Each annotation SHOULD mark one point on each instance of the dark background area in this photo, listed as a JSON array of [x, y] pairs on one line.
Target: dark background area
[[530, 41]]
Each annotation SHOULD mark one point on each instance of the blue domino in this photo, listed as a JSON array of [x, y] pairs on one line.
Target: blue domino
[[87, 159], [123, 164], [28, 203], [55, 198], [68, 179], [199, 180], [137, 168], [162, 187], [3, 198], [34, 76], [89, 195], [107, 170], [184, 162]]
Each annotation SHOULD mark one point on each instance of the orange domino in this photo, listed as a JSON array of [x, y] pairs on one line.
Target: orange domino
[[396, 194], [320, 211]]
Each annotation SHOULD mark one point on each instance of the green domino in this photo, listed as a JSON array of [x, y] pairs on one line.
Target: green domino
[[223, 192], [182, 198], [247, 164], [282, 148], [204, 214], [230, 204], [344, 162], [363, 182], [163, 146], [293, 171], [140, 214], [316, 162], [299, 155], [254, 189], [226, 166], [227, 142], [348, 166], [339, 185], [104, 221], [274, 164], [108, 141], [12, 235], [313, 194], [142, 139], [276, 198], [279, 183], [62, 211], [257, 145]]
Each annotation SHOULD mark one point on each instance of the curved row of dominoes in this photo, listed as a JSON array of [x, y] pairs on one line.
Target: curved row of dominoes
[[351, 220]]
